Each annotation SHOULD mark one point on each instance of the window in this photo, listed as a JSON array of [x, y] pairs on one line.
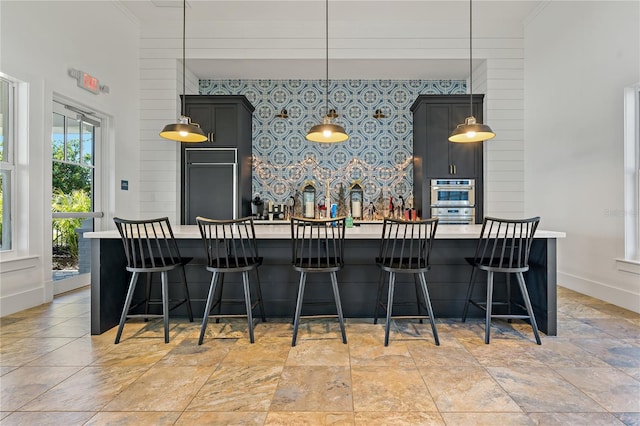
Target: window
[[7, 168], [632, 175]]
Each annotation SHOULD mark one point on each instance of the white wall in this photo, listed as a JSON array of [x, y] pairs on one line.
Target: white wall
[[40, 41], [579, 56]]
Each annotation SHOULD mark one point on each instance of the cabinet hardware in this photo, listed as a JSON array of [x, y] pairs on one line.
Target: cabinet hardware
[[454, 169]]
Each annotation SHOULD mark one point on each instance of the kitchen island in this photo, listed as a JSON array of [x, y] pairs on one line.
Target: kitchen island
[[358, 281]]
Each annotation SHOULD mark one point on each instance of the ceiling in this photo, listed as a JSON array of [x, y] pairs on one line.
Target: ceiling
[[367, 21]]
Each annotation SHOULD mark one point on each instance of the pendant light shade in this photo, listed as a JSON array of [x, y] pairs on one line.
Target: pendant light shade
[[327, 132], [184, 130], [471, 130]]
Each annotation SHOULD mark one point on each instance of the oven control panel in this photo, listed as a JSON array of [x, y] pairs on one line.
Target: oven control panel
[[454, 215]]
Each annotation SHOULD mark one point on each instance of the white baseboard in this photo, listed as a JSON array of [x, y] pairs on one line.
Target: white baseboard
[[617, 296], [71, 283], [21, 301]]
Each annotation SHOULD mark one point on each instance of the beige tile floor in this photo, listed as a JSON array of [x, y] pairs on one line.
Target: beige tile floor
[[52, 371]]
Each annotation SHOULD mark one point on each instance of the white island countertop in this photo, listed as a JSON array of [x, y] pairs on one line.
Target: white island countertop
[[365, 231]]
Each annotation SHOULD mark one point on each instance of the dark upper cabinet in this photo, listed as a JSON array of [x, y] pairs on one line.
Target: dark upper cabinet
[[216, 175], [434, 157], [222, 118]]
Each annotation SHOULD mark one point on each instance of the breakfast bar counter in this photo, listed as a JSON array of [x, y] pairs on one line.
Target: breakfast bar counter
[[447, 280]]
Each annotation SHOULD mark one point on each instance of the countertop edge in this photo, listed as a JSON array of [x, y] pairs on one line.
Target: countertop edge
[[365, 231]]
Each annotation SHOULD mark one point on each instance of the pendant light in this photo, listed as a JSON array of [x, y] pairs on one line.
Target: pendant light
[[471, 130], [184, 130], [327, 132]]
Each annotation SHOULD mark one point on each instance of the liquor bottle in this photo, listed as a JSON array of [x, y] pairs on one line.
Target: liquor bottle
[[391, 208]]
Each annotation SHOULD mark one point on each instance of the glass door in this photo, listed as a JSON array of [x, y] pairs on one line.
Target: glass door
[[74, 139]]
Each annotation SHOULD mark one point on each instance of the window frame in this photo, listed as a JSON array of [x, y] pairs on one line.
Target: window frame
[[631, 261], [8, 167]]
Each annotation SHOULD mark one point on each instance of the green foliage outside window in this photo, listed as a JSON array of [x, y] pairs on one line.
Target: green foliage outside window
[[68, 177], [64, 230], [71, 186]]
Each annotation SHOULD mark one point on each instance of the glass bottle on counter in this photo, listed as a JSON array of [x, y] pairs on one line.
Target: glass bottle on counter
[[348, 222]]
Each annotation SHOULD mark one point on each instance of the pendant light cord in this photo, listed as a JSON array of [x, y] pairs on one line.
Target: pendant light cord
[[184, 37], [470, 60], [326, 29]]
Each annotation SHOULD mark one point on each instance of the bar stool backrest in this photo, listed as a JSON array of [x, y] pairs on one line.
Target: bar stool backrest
[[505, 244], [406, 245], [230, 244], [317, 244], [149, 245]]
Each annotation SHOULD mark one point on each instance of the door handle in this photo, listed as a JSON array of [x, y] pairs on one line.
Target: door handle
[[454, 169]]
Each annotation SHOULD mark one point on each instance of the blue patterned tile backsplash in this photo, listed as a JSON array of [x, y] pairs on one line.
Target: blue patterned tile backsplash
[[378, 152]]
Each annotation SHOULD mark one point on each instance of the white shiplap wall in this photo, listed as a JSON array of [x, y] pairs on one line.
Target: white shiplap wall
[[502, 81], [161, 87]]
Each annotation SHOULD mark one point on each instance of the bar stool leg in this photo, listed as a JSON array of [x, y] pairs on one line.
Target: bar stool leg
[[487, 321], [127, 304], [392, 281], [416, 285], [527, 303], [260, 297], [469, 292], [425, 291], [380, 285], [165, 304], [296, 318], [247, 302], [207, 308], [336, 295], [220, 298], [147, 294]]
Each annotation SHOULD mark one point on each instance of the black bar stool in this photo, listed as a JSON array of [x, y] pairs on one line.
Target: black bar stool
[[317, 247], [231, 247], [504, 246], [149, 246], [404, 249]]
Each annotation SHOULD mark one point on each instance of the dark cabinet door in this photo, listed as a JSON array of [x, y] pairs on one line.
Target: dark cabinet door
[[211, 191], [438, 161], [463, 157], [444, 158], [219, 122], [203, 116], [225, 131]]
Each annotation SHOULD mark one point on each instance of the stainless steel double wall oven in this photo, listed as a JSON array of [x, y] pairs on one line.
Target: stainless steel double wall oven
[[453, 201]]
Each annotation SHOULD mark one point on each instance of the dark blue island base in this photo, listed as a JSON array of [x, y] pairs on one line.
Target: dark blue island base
[[447, 282]]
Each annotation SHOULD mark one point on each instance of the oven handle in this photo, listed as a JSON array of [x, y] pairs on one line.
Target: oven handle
[[453, 187], [455, 221]]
